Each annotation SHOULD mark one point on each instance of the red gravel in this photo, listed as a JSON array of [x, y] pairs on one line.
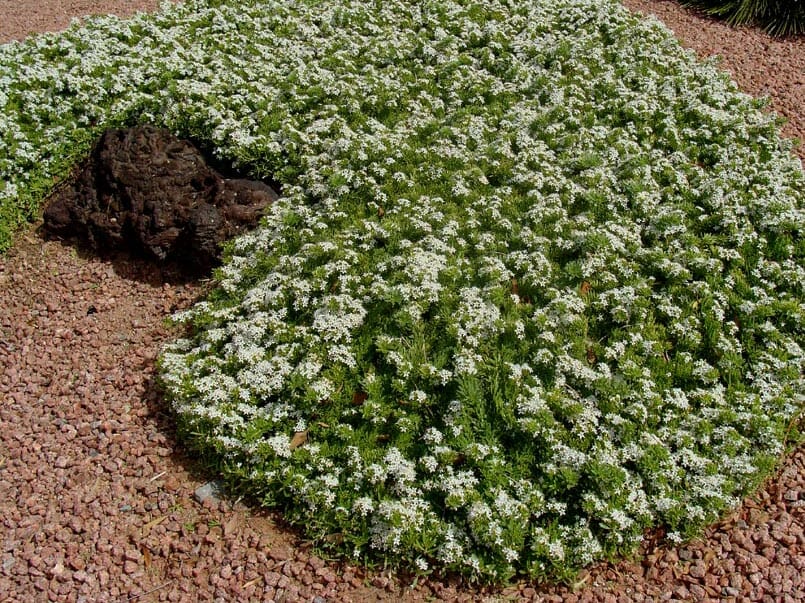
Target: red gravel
[[96, 496], [18, 18]]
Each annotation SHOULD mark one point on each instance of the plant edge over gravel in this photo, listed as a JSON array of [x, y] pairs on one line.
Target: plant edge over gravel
[[535, 283]]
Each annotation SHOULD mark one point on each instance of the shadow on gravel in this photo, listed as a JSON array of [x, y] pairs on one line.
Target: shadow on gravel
[[129, 265], [202, 469], [234, 507]]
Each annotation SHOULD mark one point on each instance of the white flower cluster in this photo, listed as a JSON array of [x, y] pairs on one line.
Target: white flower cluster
[[535, 281]]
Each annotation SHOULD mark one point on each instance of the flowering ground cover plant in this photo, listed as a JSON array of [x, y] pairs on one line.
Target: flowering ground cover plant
[[534, 285]]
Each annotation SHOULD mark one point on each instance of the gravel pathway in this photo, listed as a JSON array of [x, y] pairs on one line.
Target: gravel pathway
[[97, 498]]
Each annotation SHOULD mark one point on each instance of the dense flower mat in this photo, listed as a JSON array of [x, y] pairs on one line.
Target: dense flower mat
[[535, 283]]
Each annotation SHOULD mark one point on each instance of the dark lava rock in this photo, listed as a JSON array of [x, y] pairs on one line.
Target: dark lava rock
[[144, 190]]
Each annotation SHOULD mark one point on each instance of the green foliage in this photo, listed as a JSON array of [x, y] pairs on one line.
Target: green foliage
[[778, 17], [535, 283]]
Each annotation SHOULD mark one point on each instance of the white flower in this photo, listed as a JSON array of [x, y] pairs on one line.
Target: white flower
[[460, 262], [280, 444], [363, 506]]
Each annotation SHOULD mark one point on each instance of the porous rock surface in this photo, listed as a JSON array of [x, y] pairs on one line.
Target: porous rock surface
[[146, 190]]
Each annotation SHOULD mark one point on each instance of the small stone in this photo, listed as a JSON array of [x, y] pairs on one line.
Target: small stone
[[131, 555], [791, 495], [316, 562], [80, 576], [171, 484], [697, 570], [280, 553], [272, 578], [77, 525], [685, 555], [57, 570], [211, 491], [728, 591], [231, 526], [226, 572], [787, 539], [681, 592], [380, 582], [62, 462], [298, 569], [130, 567], [78, 563], [699, 594]]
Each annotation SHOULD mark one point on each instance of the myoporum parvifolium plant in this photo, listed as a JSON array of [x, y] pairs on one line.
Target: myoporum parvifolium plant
[[534, 285]]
